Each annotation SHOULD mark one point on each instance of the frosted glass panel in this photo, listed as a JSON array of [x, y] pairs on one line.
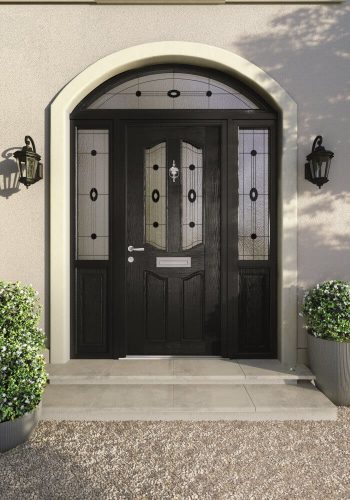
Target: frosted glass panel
[[192, 195], [253, 178], [92, 194], [173, 90], [156, 196]]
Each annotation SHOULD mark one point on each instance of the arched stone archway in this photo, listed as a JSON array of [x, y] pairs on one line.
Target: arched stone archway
[[158, 53]]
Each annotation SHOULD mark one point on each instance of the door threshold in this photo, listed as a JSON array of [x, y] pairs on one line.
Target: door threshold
[[171, 356]]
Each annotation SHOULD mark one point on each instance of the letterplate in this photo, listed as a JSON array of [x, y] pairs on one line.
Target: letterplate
[[173, 261]]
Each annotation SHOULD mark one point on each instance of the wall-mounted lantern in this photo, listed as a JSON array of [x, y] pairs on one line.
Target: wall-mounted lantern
[[28, 162], [318, 163]]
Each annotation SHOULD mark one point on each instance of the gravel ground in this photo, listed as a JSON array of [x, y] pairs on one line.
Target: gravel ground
[[181, 460]]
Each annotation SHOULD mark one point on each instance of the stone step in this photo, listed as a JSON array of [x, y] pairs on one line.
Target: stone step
[[186, 402], [200, 370]]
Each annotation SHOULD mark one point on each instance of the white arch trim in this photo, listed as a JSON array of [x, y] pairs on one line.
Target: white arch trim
[[156, 53]]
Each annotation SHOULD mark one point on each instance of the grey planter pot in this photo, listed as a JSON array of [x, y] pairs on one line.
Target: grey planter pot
[[330, 363], [15, 432]]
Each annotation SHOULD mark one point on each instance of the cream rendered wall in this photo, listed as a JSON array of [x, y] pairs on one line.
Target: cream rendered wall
[[306, 49]]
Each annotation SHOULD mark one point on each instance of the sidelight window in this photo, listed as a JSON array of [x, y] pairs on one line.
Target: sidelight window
[[92, 194], [254, 210]]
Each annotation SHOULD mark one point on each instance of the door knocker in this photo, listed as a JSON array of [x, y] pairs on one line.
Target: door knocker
[[173, 172]]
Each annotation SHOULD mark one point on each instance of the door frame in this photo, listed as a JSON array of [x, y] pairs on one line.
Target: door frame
[[139, 56], [117, 122]]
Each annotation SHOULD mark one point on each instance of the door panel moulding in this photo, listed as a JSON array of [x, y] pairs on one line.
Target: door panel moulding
[[163, 53]]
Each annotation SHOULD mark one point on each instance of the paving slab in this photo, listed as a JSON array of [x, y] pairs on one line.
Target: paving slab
[[214, 368], [108, 396], [187, 402], [212, 397], [116, 367], [267, 369], [303, 396], [176, 370]]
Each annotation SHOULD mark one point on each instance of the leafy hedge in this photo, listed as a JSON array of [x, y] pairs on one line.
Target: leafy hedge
[[22, 365], [326, 310]]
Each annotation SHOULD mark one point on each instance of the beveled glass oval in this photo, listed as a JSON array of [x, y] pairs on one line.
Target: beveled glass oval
[[192, 196], [174, 93], [253, 194], [93, 194], [155, 195]]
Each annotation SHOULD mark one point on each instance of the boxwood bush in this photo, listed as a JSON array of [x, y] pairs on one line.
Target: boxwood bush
[[326, 310], [22, 365]]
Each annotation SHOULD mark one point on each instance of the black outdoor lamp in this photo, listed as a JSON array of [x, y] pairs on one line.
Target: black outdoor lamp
[[318, 163], [28, 162]]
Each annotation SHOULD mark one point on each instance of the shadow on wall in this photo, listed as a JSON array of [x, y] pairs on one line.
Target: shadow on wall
[[9, 175], [311, 47], [312, 52]]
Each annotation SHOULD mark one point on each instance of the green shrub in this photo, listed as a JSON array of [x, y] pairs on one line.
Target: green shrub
[[22, 365], [326, 310]]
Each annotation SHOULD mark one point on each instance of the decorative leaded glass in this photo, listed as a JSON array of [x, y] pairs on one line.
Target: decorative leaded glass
[[253, 177], [172, 90], [92, 194], [192, 195], [156, 196]]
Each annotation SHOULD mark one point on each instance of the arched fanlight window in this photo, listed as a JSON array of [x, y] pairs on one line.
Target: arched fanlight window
[[172, 88]]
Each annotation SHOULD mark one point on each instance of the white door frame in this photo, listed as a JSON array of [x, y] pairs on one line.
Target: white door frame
[[167, 53]]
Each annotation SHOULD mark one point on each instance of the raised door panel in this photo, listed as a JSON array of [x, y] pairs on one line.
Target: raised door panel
[[91, 311], [193, 296], [156, 298], [254, 311]]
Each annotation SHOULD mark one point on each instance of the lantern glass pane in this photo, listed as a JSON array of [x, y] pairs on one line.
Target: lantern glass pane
[[316, 168], [31, 168], [21, 167]]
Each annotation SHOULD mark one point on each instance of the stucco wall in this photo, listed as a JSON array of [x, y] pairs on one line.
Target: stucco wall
[[305, 48]]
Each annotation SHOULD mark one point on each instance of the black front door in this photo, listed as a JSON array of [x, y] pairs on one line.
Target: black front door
[[173, 240], [173, 236]]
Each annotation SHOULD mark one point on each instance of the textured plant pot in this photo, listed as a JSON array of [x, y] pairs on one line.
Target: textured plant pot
[[330, 363], [15, 432]]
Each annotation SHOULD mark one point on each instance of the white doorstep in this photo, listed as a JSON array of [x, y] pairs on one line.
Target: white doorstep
[[186, 402], [177, 371]]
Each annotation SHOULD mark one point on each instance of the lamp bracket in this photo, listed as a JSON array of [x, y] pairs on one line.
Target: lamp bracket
[[28, 140]]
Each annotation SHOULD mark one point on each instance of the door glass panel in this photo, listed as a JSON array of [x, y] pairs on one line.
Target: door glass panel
[[156, 196], [253, 178], [172, 90], [92, 194], [192, 195]]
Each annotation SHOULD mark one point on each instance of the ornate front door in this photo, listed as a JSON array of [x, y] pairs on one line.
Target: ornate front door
[[174, 217], [173, 240]]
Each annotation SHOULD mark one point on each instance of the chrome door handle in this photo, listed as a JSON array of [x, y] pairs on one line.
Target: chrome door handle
[[133, 249]]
